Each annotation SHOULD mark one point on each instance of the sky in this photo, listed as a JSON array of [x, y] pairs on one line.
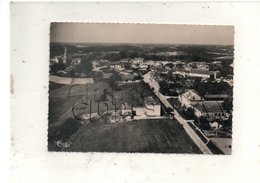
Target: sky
[[141, 33]]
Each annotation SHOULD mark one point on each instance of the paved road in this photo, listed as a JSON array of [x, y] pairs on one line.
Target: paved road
[[153, 84]]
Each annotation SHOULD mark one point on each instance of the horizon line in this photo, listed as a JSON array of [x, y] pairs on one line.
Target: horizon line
[[141, 43]]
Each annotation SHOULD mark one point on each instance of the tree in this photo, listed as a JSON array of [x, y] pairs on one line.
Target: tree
[[134, 54], [204, 123], [189, 113], [123, 54], [69, 127], [227, 125], [227, 104], [57, 66], [105, 93], [164, 87], [169, 76], [85, 66], [212, 87]]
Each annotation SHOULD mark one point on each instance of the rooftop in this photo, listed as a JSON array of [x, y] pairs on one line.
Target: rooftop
[[208, 106], [194, 71], [127, 77], [212, 106], [150, 100], [191, 95], [215, 96]]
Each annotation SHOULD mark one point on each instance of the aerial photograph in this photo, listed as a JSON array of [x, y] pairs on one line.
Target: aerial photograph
[[140, 88]]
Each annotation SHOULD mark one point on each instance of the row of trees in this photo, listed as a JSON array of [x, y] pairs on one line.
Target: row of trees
[[211, 87], [169, 88]]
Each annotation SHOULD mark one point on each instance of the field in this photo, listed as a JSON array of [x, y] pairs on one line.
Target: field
[[62, 100], [154, 136], [67, 81], [63, 97]]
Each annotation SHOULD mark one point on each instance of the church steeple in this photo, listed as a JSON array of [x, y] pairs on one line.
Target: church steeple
[[65, 55]]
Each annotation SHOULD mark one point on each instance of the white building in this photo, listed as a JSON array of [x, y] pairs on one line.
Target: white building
[[54, 60], [119, 68], [203, 67], [148, 109], [106, 75], [196, 73], [209, 109], [188, 98], [151, 108], [137, 60]]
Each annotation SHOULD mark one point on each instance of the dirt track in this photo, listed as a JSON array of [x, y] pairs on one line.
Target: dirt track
[[66, 80]]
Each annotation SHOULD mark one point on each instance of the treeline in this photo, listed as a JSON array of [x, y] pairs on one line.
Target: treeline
[[148, 52], [56, 50], [212, 87]]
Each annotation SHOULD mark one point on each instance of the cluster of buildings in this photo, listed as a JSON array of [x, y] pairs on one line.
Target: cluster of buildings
[[196, 73], [149, 107], [209, 106], [121, 68], [195, 69], [60, 58], [192, 69], [68, 65]]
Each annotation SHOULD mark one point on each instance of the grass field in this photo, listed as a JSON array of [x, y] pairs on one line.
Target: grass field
[[154, 136], [63, 97]]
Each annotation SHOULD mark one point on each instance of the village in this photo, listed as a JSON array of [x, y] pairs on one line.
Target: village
[[195, 93]]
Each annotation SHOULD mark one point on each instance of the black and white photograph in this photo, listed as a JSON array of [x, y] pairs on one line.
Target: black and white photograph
[[140, 88], [135, 92]]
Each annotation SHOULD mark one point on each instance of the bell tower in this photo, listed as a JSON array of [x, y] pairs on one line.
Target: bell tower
[[65, 55]]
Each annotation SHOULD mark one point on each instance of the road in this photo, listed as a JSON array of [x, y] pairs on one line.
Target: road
[[153, 84]]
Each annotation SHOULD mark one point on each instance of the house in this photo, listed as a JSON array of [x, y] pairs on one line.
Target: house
[[69, 69], [117, 67], [195, 73], [106, 75], [210, 106], [152, 106], [229, 79], [54, 60], [186, 99], [135, 66], [164, 71], [143, 66], [143, 109], [143, 70], [210, 109], [188, 68], [127, 77], [203, 67], [137, 60], [148, 62], [215, 125], [76, 61]]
